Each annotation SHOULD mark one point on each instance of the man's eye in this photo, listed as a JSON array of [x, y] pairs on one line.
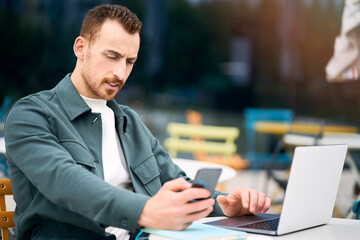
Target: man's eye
[[112, 57], [131, 62]]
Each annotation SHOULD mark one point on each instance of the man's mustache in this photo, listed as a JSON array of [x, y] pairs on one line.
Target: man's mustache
[[115, 80]]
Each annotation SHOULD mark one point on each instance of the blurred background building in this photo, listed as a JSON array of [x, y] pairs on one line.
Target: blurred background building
[[216, 56]]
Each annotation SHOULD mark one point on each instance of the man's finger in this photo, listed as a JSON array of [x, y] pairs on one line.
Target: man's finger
[[198, 206], [245, 198], [266, 205], [194, 193], [221, 199], [261, 201], [176, 185], [199, 214], [253, 201]]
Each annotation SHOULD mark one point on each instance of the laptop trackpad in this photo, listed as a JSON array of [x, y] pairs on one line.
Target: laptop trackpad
[[243, 220]]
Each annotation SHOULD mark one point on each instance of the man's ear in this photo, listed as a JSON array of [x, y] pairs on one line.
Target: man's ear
[[80, 47]]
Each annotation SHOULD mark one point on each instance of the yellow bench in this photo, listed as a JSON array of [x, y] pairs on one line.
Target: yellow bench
[[299, 127], [201, 138]]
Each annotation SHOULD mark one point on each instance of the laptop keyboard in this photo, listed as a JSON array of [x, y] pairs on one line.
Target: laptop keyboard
[[270, 224]]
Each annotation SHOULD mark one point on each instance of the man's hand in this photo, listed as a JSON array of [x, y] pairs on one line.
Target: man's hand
[[172, 209], [243, 201]]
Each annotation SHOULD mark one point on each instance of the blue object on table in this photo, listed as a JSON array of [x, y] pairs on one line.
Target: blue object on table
[[142, 236], [197, 231], [253, 115], [356, 209]]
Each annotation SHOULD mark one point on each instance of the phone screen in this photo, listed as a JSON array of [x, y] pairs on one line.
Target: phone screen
[[207, 178]]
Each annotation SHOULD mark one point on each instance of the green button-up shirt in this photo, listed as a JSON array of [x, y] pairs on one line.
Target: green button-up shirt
[[53, 147]]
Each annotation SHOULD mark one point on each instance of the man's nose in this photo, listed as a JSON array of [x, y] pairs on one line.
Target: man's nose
[[120, 71]]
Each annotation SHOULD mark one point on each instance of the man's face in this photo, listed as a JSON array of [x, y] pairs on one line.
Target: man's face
[[108, 61]]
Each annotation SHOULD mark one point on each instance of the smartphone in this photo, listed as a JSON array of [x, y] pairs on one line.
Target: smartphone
[[207, 178]]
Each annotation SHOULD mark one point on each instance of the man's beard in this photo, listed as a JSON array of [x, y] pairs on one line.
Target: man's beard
[[96, 91], [116, 81]]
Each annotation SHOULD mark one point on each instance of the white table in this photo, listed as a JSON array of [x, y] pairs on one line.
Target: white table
[[190, 167], [351, 139], [338, 228]]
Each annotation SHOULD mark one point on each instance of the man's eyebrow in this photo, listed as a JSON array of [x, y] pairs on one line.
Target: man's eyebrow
[[132, 58], [116, 53]]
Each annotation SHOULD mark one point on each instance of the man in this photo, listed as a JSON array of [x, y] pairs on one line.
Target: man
[[84, 167]]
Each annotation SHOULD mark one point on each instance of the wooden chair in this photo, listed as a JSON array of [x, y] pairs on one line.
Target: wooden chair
[[6, 217]]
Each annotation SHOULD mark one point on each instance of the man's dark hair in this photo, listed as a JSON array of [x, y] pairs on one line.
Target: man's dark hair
[[95, 18]]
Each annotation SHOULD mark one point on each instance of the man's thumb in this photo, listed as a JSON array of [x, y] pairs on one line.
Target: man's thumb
[[221, 199]]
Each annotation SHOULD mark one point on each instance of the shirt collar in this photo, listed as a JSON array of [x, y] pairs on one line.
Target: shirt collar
[[70, 99]]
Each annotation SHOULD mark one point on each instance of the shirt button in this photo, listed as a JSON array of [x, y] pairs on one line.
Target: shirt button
[[124, 223]]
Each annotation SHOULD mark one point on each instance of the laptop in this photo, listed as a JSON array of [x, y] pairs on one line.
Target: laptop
[[310, 194]]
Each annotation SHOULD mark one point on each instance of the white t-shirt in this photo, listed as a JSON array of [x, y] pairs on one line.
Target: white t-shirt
[[113, 160]]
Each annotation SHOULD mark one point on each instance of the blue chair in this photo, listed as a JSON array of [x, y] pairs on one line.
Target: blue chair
[[356, 209], [4, 168], [253, 115], [4, 108]]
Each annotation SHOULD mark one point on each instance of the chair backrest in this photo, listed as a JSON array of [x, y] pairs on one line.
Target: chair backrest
[[191, 138], [4, 107], [254, 115], [356, 209], [6, 217]]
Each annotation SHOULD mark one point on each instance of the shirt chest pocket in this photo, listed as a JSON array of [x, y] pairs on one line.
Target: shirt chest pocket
[[80, 154], [148, 174]]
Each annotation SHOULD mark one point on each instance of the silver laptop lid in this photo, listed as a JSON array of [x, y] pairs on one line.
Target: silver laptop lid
[[312, 187]]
